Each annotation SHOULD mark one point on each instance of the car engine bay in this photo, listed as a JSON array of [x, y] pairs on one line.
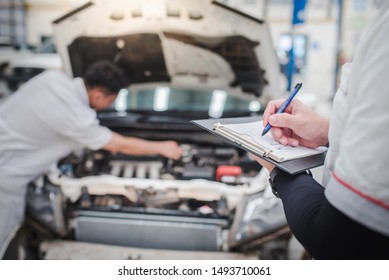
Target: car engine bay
[[213, 199]]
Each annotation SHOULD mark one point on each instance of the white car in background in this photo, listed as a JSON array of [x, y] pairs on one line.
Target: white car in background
[[7, 54], [23, 65]]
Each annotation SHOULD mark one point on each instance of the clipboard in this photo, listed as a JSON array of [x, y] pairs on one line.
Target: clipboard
[[292, 166]]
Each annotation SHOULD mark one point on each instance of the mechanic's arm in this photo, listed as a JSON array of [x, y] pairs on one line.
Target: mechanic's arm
[[323, 230], [137, 146]]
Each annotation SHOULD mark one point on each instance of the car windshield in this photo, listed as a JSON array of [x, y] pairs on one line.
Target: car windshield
[[163, 99]]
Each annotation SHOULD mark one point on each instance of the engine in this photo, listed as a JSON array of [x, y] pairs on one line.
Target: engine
[[195, 203], [224, 164]]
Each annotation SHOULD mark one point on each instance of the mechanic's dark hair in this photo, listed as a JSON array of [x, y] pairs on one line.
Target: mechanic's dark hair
[[106, 75]]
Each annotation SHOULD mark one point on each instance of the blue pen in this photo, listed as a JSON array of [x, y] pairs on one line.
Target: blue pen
[[283, 106]]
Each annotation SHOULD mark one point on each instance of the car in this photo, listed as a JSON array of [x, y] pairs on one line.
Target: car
[[187, 60], [27, 64], [7, 53]]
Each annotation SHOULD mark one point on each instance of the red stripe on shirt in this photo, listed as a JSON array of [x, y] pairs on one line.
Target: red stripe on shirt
[[372, 199]]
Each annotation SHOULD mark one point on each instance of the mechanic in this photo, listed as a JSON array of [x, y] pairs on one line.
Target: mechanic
[[349, 218], [47, 118]]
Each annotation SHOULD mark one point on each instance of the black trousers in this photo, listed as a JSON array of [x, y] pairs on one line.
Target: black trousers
[[325, 232]]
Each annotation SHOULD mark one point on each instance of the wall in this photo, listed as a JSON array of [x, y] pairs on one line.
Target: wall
[[357, 14], [40, 14]]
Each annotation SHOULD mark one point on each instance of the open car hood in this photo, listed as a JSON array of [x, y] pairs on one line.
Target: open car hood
[[182, 42]]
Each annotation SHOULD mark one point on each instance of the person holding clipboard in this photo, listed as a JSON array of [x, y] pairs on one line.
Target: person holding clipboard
[[347, 216]]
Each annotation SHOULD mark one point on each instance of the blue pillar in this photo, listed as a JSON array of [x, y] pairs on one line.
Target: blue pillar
[[298, 17]]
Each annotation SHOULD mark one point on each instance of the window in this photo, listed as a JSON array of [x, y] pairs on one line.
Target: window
[[12, 23]]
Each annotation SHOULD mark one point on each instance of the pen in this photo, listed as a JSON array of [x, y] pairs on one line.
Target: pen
[[283, 106]]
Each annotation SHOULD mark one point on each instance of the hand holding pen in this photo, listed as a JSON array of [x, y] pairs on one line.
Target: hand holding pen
[[283, 106]]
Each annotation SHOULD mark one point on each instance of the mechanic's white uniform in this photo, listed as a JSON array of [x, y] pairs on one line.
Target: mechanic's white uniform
[[43, 121], [357, 181]]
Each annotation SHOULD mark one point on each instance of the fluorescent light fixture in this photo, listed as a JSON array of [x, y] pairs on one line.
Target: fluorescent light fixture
[[121, 100], [217, 103], [161, 99], [254, 106]]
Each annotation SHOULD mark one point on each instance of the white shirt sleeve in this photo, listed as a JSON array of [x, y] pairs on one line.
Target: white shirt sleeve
[[82, 127], [89, 134]]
